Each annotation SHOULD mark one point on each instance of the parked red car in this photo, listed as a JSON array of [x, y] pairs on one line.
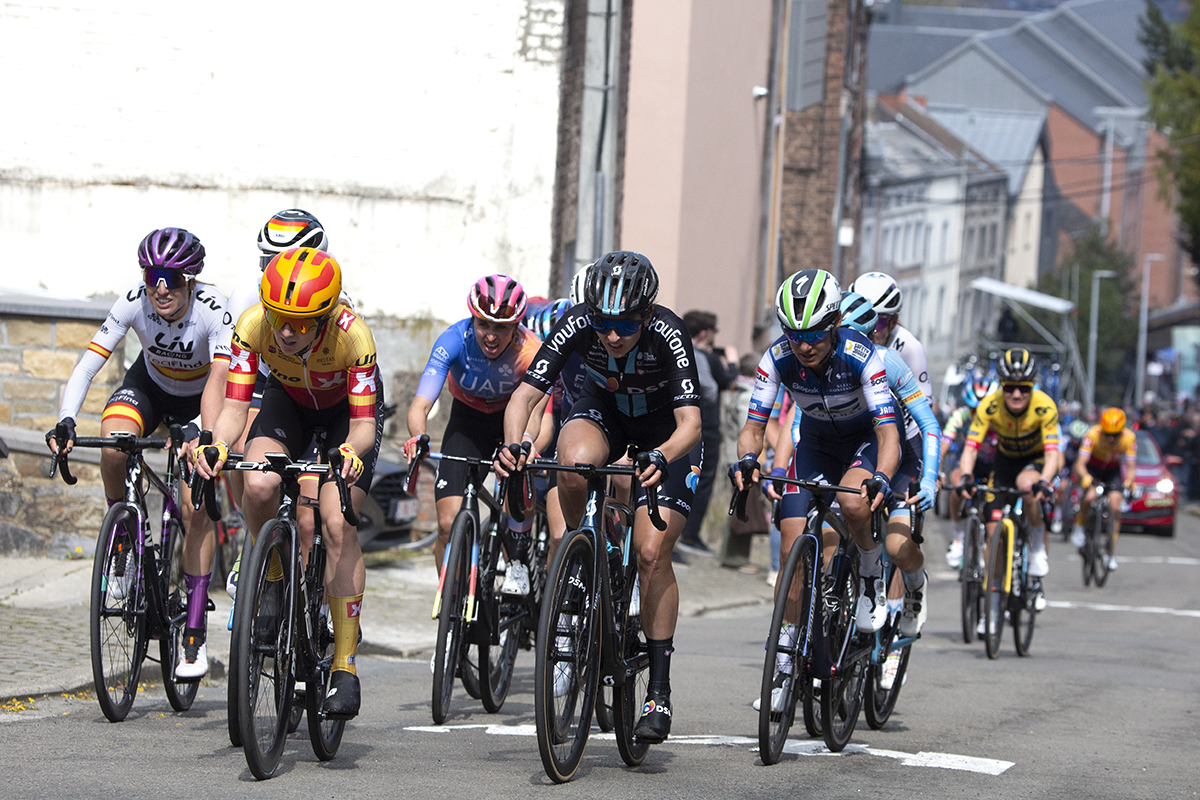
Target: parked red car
[[1152, 507]]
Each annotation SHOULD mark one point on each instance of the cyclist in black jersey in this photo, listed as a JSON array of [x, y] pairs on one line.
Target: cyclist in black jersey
[[642, 389]]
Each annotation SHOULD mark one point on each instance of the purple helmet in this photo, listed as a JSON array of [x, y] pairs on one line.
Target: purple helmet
[[172, 248]]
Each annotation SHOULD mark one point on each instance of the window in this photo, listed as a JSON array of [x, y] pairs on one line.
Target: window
[[945, 243], [969, 248], [982, 241], [992, 239], [925, 249], [937, 322], [883, 244], [1028, 228], [867, 244]]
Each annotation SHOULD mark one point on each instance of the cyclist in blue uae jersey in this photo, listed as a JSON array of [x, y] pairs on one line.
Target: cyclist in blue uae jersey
[[641, 390], [848, 432]]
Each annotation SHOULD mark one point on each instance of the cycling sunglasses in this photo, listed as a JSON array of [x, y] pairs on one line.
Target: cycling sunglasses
[[1013, 388], [807, 337], [623, 327], [299, 324], [172, 278], [883, 321]]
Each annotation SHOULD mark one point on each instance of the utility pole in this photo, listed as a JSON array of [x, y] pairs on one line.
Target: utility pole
[[1089, 401], [1143, 325]]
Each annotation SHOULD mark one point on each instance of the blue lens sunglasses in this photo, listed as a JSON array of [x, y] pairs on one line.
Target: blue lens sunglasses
[[623, 327], [807, 337]]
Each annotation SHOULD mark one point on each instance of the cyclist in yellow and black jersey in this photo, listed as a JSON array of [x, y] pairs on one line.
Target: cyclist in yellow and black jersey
[[1026, 424]]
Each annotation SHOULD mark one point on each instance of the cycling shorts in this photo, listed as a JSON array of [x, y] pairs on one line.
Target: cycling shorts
[[910, 468], [645, 433], [471, 433], [281, 418], [824, 458], [1004, 473], [144, 403], [1105, 475], [260, 384]]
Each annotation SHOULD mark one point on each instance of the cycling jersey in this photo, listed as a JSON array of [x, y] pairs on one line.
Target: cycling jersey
[[1105, 453], [482, 383], [913, 353], [1025, 436], [339, 364], [957, 426], [848, 397], [177, 354], [657, 374]]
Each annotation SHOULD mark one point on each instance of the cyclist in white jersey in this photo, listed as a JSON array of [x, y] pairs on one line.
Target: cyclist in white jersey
[[887, 299], [185, 330]]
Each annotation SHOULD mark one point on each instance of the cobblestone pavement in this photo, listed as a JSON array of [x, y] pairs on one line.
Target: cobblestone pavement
[[45, 646]]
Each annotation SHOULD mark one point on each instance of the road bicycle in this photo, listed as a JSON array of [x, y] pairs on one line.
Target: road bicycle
[[1010, 592], [589, 632], [281, 630], [135, 596], [971, 572], [1098, 533], [468, 605]]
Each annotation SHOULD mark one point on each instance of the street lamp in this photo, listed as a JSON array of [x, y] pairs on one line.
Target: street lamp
[[1143, 323], [1093, 323]]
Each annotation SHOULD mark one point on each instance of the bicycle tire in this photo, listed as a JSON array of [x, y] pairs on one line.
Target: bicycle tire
[[1088, 552], [842, 692], [810, 700], [1022, 609], [1103, 547], [627, 699], [605, 709], [879, 703], [496, 664], [996, 601], [448, 650], [117, 624], [324, 734], [180, 694], [971, 578], [563, 719], [793, 598], [233, 686], [265, 695]]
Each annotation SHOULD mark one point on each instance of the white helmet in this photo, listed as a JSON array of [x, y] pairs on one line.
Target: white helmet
[[577, 285], [881, 290]]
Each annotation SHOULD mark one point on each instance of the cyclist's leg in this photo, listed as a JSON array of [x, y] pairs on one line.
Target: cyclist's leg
[[1039, 562], [1115, 499], [585, 438], [909, 582], [130, 409]]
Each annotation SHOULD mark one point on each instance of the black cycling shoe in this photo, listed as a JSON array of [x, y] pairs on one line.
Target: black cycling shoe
[[342, 699], [655, 724]]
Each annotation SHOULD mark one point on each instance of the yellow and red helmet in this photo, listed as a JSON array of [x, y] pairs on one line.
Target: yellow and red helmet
[[1112, 420], [301, 282]]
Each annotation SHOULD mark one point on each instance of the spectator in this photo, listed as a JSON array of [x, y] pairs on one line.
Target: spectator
[[717, 368]]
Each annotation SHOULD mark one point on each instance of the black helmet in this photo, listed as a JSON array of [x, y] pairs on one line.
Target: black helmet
[[620, 283], [1016, 366]]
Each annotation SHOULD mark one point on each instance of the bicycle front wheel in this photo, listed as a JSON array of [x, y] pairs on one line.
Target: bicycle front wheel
[[1022, 608], [266, 595], [785, 647], [1102, 547], [231, 690], [971, 578], [180, 694], [568, 657], [996, 600], [842, 692], [118, 618], [879, 702], [455, 581], [628, 698]]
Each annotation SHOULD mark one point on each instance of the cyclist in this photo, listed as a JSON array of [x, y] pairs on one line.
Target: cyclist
[[484, 357], [886, 297], [288, 229], [953, 434], [642, 390], [1104, 448], [848, 430], [184, 328], [323, 374], [1027, 456]]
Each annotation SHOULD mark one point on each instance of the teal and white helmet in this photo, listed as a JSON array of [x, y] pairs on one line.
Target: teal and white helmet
[[808, 300]]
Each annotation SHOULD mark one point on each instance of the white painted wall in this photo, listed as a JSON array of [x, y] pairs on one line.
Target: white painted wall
[[421, 134], [1025, 226]]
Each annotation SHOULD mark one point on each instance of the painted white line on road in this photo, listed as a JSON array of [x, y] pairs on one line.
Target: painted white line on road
[[1175, 612], [985, 766], [1175, 560]]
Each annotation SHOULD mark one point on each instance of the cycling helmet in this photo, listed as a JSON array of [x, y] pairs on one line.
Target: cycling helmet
[[881, 290], [976, 389], [303, 282], [858, 313], [292, 227], [621, 282], [1078, 428], [498, 298], [578, 284], [808, 300], [544, 321], [1016, 366], [1112, 420], [172, 248]]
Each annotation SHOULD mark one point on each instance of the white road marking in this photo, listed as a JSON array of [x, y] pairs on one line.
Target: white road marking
[[1175, 612], [1175, 560], [985, 766]]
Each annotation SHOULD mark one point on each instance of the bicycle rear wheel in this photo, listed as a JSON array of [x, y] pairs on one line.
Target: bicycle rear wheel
[[878, 702], [266, 595], [568, 657], [1021, 603], [842, 692], [118, 619], [1102, 547], [447, 652], [996, 598], [784, 661], [496, 661], [325, 734], [628, 698], [180, 694], [971, 578]]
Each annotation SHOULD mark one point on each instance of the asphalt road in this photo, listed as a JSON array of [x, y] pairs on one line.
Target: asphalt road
[[1107, 705]]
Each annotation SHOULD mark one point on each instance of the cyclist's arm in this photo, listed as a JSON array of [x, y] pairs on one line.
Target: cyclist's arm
[[101, 347], [1131, 462], [1052, 457], [883, 410], [762, 400], [1081, 461], [446, 350], [546, 433], [537, 421], [213, 397], [524, 400], [681, 442], [914, 356]]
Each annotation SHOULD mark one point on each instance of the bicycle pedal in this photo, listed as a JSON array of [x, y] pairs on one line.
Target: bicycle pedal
[[211, 606]]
